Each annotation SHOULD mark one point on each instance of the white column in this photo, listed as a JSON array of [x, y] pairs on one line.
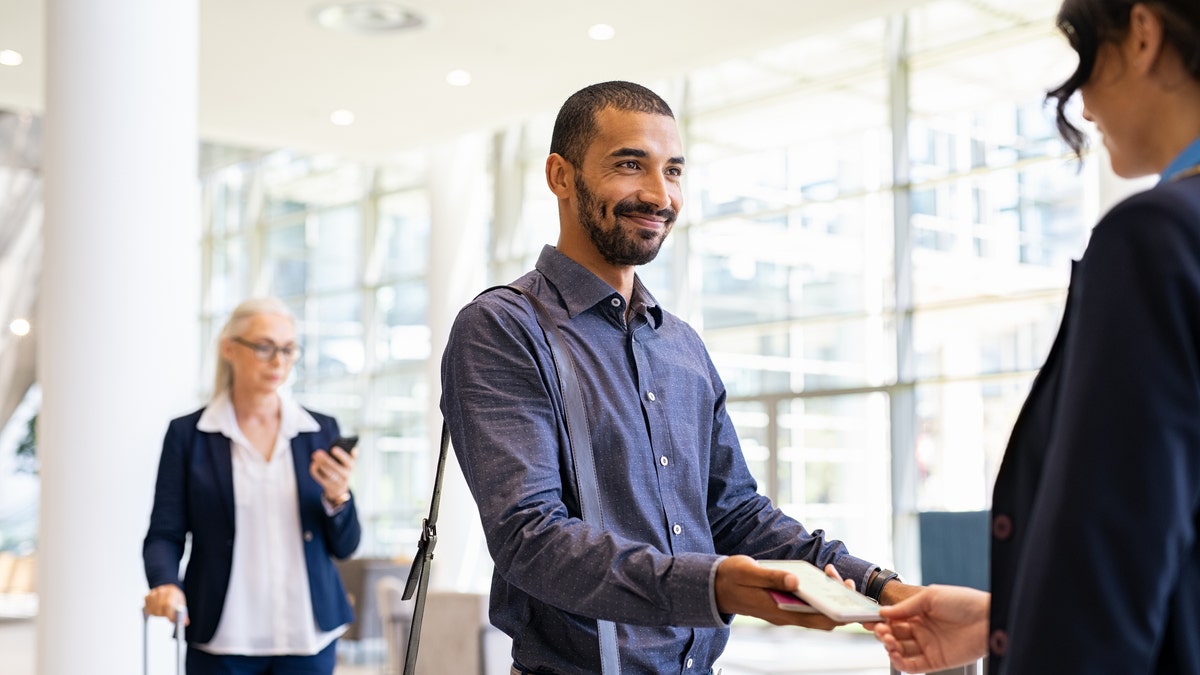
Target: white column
[[458, 205], [117, 341]]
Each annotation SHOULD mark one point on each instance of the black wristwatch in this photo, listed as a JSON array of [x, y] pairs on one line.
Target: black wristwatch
[[876, 582]]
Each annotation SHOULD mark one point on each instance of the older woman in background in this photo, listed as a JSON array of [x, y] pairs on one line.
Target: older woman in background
[[256, 481]]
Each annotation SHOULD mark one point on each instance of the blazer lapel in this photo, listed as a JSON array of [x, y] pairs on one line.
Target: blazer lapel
[[302, 449], [222, 462]]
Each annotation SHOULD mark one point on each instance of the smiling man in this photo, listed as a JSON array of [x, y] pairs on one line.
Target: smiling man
[[682, 518]]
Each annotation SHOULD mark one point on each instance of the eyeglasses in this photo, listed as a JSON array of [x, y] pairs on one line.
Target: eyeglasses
[[266, 351]]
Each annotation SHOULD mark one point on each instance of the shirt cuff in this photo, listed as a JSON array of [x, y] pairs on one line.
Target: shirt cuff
[[692, 590], [712, 593]]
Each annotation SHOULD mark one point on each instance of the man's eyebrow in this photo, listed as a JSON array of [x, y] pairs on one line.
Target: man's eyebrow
[[640, 154]]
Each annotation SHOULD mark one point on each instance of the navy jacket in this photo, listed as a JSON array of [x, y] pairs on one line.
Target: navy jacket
[[194, 493], [1095, 563]]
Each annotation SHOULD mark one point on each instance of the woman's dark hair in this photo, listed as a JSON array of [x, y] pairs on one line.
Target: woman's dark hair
[[1087, 24], [575, 127]]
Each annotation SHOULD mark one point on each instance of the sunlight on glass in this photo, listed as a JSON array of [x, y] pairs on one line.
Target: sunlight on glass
[[602, 31]]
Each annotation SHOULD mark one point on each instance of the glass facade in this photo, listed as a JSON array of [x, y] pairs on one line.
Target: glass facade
[[875, 247], [346, 247]]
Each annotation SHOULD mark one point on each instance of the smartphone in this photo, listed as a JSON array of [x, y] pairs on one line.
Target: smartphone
[[346, 443], [826, 594]]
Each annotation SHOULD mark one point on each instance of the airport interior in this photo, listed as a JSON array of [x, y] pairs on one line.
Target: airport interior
[[880, 220]]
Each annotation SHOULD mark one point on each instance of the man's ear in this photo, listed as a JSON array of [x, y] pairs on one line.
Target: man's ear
[[560, 176]]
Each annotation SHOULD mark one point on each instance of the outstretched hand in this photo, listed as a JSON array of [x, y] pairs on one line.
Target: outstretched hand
[[742, 587], [940, 627]]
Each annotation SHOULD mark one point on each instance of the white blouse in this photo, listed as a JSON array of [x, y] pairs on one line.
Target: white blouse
[[268, 607]]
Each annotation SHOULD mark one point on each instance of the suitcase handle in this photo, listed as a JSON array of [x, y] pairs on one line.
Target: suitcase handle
[[180, 617]]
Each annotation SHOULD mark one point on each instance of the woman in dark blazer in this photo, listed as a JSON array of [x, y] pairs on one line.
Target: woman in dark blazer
[[1096, 511], [257, 483]]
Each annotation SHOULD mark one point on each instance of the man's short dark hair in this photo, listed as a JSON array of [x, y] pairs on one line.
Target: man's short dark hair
[[575, 128]]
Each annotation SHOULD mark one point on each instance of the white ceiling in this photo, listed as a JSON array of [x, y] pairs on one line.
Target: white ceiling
[[270, 77]]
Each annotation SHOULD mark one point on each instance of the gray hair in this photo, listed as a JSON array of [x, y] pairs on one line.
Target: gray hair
[[247, 310]]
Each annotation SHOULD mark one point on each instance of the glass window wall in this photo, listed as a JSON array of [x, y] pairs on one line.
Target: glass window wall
[[840, 278]]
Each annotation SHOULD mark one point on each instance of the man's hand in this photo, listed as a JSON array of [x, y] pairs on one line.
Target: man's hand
[[742, 585]]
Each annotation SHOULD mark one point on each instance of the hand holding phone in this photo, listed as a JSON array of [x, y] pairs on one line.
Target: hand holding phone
[[346, 443], [333, 472]]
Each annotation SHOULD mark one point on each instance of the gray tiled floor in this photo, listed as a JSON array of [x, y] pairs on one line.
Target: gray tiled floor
[[753, 650]]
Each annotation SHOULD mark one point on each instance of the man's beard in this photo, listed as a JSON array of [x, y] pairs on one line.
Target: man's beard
[[615, 245]]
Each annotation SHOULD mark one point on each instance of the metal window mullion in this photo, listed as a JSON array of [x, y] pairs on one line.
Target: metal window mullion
[[902, 403]]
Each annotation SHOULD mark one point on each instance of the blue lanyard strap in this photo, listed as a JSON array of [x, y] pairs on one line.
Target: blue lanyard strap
[[1184, 173], [1185, 164]]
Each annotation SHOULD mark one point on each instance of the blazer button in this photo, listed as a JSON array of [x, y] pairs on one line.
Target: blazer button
[[308, 535], [998, 642], [1002, 527]]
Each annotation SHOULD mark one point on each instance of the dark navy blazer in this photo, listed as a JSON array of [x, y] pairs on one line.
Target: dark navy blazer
[[1095, 563], [194, 493]]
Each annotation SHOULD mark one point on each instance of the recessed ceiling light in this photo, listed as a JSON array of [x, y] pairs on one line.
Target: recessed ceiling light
[[367, 16], [19, 327], [342, 118], [10, 58], [458, 78], [602, 31]]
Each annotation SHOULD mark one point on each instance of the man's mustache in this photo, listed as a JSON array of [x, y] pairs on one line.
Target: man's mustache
[[630, 206]]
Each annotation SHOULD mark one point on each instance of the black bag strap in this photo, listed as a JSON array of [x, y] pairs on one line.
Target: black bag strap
[[418, 574], [584, 466]]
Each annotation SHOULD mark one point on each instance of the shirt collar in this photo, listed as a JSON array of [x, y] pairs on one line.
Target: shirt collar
[[219, 417], [581, 289], [1187, 159]]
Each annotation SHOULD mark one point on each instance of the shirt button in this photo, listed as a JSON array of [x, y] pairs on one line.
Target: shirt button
[[307, 535], [1002, 527], [689, 663], [650, 395], [663, 460], [616, 302], [998, 642], [678, 529]]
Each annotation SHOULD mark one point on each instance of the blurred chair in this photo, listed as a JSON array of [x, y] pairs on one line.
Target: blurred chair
[[8, 560], [395, 617], [24, 575], [360, 576], [456, 636]]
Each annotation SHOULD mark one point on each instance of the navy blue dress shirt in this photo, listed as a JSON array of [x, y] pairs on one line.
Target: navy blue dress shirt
[[675, 489]]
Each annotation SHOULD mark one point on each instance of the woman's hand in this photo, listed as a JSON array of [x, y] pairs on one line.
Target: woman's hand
[[940, 627], [332, 471], [165, 600]]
